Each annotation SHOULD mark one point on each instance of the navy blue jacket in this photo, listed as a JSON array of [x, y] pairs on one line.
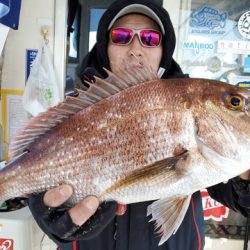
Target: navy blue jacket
[[132, 231]]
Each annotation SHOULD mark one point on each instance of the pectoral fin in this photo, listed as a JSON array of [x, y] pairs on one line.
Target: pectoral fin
[[150, 173], [168, 215]]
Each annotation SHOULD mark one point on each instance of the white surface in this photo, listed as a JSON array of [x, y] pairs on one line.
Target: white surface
[[222, 243], [4, 30], [60, 22], [20, 227], [16, 115]]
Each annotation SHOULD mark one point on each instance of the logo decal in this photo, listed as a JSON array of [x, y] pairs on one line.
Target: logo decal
[[208, 21], [208, 17], [212, 209], [6, 244], [244, 25], [197, 47]]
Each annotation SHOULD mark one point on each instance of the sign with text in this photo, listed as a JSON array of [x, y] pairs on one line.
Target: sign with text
[[220, 221], [30, 57], [6, 244], [10, 12], [213, 209], [208, 21], [235, 47]]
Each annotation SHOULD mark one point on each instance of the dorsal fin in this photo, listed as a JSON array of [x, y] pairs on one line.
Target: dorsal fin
[[101, 89]]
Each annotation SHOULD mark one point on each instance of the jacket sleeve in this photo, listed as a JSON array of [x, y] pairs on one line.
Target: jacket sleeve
[[234, 194]]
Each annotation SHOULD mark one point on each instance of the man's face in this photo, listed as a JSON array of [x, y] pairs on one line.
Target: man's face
[[134, 53]]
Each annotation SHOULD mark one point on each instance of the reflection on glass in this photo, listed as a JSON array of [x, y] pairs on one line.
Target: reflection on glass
[[95, 16], [73, 45], [209, 43], [4, 8]]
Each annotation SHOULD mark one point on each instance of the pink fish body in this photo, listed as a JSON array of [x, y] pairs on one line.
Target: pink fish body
[[129, 141]]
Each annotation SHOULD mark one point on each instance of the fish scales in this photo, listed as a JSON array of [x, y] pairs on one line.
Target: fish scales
[[155, 140], [101, 150]]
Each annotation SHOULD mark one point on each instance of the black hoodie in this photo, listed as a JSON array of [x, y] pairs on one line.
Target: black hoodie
[[98, 58]]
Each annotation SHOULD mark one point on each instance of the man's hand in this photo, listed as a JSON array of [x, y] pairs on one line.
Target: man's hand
[[80, 213], [245, 175], [83, 221]]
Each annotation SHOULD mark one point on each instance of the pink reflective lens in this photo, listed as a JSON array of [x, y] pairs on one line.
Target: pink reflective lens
[[121, 36], [147, 37], [151, 38]]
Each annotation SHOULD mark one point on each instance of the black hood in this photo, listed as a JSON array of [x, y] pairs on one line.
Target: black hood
[[98, 57]]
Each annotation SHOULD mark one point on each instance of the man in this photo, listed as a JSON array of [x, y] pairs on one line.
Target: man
[[119, 40]]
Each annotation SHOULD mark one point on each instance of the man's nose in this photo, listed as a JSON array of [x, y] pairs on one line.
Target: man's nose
[[136, 47]]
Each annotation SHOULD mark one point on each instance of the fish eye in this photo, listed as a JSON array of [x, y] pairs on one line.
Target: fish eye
[[234, 102]]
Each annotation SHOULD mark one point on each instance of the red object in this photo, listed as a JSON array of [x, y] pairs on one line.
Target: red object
[[6, 244], [196, 226], [120, 209], [74, 245], [212, 209]]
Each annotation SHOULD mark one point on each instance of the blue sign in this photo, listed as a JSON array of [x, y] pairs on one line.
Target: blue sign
[[30, 57], [9, 13], [208, 21], [197, 46], [246, 66], [208, 17]]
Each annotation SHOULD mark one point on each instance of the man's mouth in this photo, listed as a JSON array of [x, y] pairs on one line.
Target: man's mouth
[[137, 65]]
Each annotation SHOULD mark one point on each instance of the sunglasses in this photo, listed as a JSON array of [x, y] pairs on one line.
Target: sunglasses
[[147, 37]]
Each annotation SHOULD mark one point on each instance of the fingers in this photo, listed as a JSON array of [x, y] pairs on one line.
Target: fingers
[[81, 212], [57, 196], [245, 175], [121, 209], [96, 223], [83, 221]]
